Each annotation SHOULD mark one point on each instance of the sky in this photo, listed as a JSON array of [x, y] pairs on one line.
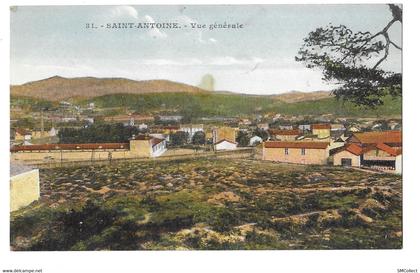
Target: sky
[[256, 59]]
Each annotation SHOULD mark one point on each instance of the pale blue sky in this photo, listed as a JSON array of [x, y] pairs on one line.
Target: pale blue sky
[[48, 41]]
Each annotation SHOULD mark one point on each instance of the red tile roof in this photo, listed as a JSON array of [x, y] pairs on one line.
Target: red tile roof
[[170, 127], [297, 144], [354, 149], [22, 131], [321, 126], [357, 149], [142, 137], [284, 132], [82, 146], [378, 137], [383, 147], [387, 149], [156, 141]]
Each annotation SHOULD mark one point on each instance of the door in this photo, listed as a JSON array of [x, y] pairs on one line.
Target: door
[[346, 162]]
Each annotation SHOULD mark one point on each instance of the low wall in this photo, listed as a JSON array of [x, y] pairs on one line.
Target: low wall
[[24, 189], [239, 153], [63, 156]]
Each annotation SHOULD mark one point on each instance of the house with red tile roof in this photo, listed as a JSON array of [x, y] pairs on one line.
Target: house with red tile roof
[[22, 134], [391, 138], [322, 131], [348, 155], [284, 135], [378, 150]]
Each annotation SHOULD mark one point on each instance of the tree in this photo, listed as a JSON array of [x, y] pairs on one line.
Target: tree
[[352, 60], [199, 138], [179, 138], [25, 123], [261, 133], [242, 138], [98, 133]]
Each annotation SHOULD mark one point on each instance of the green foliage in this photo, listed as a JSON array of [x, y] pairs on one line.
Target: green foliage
[[25, 123], [242, 138], [179, 138], [199, 138], [32, 104], [236, 105], [189, 105], [98, 133], [345, 57], [391, 107], [261, 133]]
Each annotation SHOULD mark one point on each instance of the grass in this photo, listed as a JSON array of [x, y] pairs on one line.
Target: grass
[[210, 204]]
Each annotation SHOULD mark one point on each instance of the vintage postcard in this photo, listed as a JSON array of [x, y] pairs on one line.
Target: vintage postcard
[[206, 127]]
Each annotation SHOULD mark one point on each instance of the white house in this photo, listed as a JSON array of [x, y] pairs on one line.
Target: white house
[[225, 145], [142, 126], [255, 140], [191, 129], [158, 146], [53, 132], [160, 136]]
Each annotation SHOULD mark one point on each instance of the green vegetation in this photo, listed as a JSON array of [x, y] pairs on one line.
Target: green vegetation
[[392, 107], [192, 106], [98, 133], [210, 204], [213, 104], [206, 104], [32, 104], [179, 138]]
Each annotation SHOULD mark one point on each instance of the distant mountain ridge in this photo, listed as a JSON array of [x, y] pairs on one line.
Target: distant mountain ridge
[[59, 88]]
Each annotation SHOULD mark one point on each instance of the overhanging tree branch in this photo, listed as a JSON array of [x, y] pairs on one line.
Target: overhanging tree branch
[[344, 57]]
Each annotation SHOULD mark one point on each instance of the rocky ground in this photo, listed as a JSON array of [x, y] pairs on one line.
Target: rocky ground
[[211, 204]]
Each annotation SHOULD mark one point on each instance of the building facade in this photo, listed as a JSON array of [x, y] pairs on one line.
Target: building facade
[[224, 133], [304, 152], [321, 130]]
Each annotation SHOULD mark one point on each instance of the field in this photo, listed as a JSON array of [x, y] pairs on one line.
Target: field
[[211, 204]]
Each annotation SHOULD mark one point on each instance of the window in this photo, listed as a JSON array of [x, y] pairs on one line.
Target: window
[[302, 151], [286, 151]]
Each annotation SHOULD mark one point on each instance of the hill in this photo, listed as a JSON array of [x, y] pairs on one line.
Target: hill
[[297, 96], [58, 88], [215, 104], [162, 95]]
